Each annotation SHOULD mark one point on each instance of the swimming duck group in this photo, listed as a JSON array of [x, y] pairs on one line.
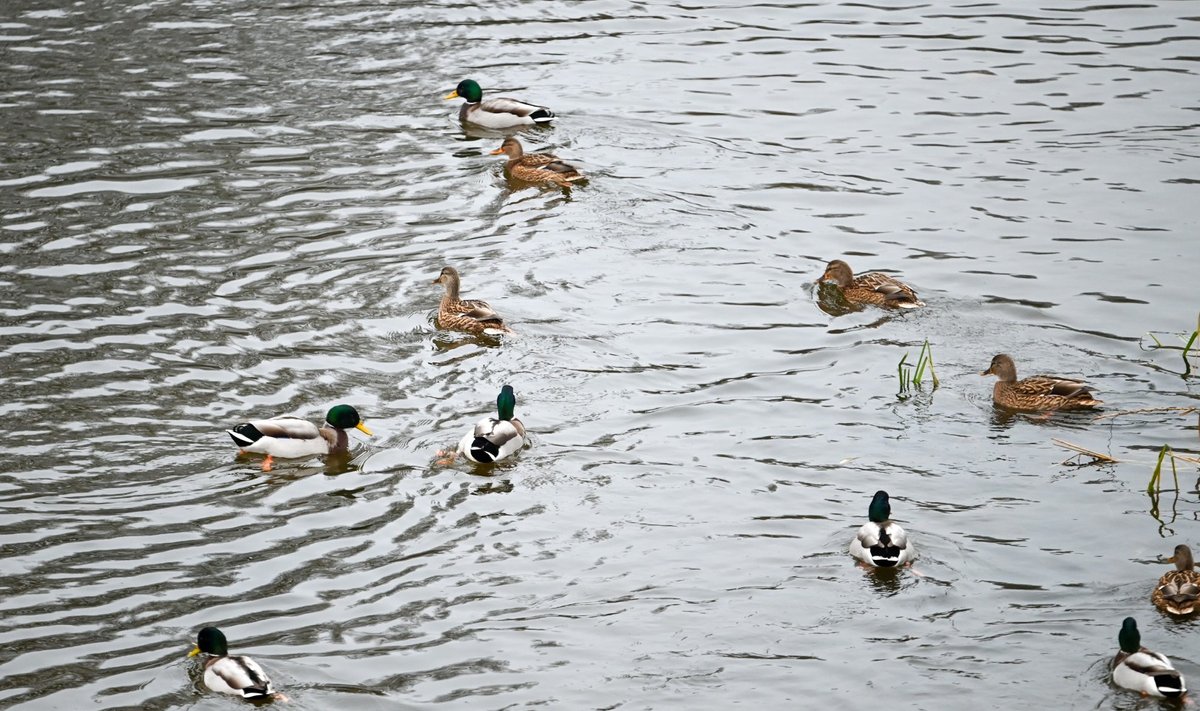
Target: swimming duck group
[[502, 113], [879, 544], [882, 543]]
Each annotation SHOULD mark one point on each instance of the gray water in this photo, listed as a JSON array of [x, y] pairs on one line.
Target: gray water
[[216, 210]]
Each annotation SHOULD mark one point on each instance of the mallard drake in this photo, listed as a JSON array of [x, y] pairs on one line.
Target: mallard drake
[[495, 438], [870, 288], [1178, 591], [880, 542], [499, 112], [292, 437], [1137, 668], [1037, 392], [470, 315], [535, 167], [230, 674]]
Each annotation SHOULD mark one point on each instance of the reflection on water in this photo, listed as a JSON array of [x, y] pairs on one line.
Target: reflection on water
[[218, 209], [888, 582]]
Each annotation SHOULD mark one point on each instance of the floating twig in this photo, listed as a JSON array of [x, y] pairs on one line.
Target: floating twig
[[1183, 457], [1180, 410], [1096, 456]]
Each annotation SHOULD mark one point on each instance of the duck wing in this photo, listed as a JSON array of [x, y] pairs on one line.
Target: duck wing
[[241, 675], [557, 166], [247, 433], [518, 108], [1053, 385], [538, 160], [479, 310], [891, 289]]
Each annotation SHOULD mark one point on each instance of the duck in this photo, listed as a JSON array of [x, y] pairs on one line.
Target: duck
[[495, 438], [881, 543], [536, 167], [1178, 591], [470, 315], [292, 437], [230, 674], [1037, 392], [499, 112], [1137, 668], [870, 288]]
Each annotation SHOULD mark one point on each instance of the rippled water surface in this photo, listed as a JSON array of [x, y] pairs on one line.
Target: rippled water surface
[[214, 210]]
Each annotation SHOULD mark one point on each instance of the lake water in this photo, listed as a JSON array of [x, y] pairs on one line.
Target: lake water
[[215, 210]]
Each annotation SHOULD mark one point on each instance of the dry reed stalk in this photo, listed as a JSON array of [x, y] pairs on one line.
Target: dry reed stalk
[[1180, 410], [1084, 451]]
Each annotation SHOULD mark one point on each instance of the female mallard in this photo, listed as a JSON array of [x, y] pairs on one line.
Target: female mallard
[[292, 437], [881, 542], [494, 438], [1037, 392], [870, 288], [230, 674], [471, 315], [498, 112], [1137, 668], [535, 167], [1177, 591]]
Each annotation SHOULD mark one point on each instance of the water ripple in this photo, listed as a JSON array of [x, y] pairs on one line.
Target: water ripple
[[218, 211]]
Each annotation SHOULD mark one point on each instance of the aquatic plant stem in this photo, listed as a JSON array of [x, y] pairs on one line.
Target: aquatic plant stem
[[1154, 485]]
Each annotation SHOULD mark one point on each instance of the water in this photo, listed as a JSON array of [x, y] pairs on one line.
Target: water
[[218, 210]]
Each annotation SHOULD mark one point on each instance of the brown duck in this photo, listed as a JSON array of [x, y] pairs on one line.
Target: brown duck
[[870, 288], [536, 167], [470, 315], [1037, 392], [1178, 591]]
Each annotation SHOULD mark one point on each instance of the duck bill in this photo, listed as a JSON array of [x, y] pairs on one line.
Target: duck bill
[[496, 152], [987, 372], [363, 428], [451, 95], [194, 652]]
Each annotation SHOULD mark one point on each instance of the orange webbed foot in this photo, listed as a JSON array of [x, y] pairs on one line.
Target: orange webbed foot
[[266, 465]]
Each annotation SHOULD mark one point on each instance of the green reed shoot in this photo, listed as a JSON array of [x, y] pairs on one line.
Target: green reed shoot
[[1155, 484], [1191, 340], [916, 373], [1187, 367]]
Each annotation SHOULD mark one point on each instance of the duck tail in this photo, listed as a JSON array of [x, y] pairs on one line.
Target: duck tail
[[244, 434], [885, 556], [251, 692], [542, 116], [484, 450], [1169, 685]]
